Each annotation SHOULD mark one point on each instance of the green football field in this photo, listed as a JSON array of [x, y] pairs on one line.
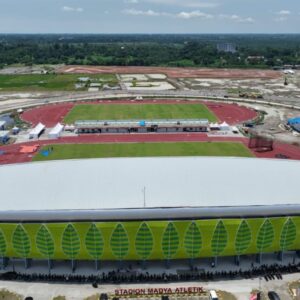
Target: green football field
[[138, 112], [76, 151], [51, 82], [143, 240]]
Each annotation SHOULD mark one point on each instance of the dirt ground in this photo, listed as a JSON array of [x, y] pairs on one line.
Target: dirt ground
[[268, 88], [37, 69], [174, 72]]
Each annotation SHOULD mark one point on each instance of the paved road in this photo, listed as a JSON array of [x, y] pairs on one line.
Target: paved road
[[15, 102], [240, 288]]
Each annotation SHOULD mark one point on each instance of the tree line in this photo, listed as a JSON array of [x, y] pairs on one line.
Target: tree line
[[253, 51]]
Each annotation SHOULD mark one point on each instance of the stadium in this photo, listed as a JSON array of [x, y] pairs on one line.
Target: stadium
[[145, 183], [146, 209]]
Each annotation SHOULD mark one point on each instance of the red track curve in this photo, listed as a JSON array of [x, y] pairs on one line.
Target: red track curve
[[50, 115], [54, 113]]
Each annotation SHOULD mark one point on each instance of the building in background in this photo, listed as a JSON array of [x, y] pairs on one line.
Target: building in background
[[227, 47]]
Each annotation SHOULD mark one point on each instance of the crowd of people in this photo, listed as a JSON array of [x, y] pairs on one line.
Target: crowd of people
[[268, 272]]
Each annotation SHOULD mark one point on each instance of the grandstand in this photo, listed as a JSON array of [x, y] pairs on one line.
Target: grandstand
[[149, 209], [126, 126]]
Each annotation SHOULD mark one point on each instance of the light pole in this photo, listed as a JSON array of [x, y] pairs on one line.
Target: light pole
[[144, 196]]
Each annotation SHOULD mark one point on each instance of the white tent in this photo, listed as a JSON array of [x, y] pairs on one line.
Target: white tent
[[56, 131], [37, 131], [214, 126], [289, 72], [234, 129], [224, 126], [69, 128]]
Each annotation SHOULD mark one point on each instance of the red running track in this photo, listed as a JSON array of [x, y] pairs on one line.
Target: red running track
[[50, 115], [231, 113], [12, 154], [293, 152]]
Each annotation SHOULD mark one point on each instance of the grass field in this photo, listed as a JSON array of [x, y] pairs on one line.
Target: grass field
[[139, 112], [50, 82], [76, 151]]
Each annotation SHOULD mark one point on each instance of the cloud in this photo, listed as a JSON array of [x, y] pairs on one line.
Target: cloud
[[131, 1], [136, 12], [181, 3], [72, 9], [184, 3], [187, 15], [281, 19], [237, 18], [180, 15], [284, 12], [193, 14], [282, 15]]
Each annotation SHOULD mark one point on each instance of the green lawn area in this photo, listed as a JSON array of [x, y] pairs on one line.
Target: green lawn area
[[139, 112], [50, 82], [76, 151]]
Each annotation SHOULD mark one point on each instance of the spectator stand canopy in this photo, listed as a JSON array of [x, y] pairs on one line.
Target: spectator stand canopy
[[37, 131], [187, 191], [124, 126], [56, 131]]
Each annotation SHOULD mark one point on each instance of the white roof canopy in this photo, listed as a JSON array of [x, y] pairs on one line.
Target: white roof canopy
[[224, 124], [170, 182], [37, 129], [57, 129]]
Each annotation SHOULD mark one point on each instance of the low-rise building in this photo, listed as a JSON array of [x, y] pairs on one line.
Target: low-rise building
[[227, 47]]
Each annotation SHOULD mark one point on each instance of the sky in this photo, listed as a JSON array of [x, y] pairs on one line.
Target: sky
[[149, 16]]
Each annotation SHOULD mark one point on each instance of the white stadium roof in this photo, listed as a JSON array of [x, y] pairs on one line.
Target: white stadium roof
[[92, 188]]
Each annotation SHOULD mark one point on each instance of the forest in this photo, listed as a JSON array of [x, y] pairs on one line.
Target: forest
[[252, 51]]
